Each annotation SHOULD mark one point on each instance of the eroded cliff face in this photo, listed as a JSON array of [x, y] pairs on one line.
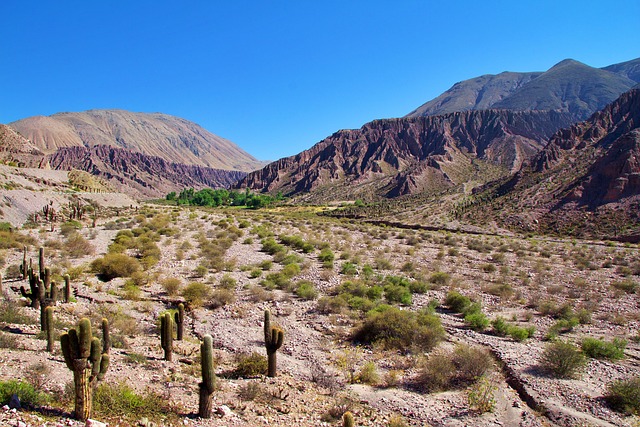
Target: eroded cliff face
[[138, 174], [403, 156]]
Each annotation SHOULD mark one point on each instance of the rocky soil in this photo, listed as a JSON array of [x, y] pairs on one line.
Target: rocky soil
[[526, 276]]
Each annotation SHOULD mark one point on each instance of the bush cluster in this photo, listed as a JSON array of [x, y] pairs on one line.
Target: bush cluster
[[455, 368]]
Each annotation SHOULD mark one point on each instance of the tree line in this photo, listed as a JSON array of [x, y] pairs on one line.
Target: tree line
[[222, 197]]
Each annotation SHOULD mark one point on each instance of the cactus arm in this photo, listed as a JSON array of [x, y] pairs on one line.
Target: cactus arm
[[84, 338], [106, 337]]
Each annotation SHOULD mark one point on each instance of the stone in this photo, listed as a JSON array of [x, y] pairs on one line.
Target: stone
[[14, 402]]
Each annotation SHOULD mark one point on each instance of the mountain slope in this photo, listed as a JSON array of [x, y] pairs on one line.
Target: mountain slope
[[388, 158], [14, 148], [568, 86], [586, 180], [168, 137], [138, 174]]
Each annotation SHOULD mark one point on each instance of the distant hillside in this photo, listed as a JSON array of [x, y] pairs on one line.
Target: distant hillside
[[138, 174], [568, 86], [585, 181], [170, 138], [16, 149], [388, 158]]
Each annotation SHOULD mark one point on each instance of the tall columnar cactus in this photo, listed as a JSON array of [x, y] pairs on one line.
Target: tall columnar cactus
[[67, 288], [208, 383], [347, 419], [41, 262], [166, 335], [106, 337], [49, 328], [273, 339], [82, 355], [47, 279], [179, 319], [24, 269], [36, 288]]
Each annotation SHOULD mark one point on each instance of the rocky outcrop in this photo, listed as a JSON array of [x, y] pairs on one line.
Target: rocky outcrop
[[138, 174], [160, 135], [402, 156], [16, 149]]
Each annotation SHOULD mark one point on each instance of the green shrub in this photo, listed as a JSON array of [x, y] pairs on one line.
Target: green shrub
[[28, 395], [624, 396], [401, 329], [121, 401], [477, 321], [627, 285], [440, 278], [349, 269], [196, 293], [600, 349], [456, 368], [326, 257], [115, 265], [328, 305], [500, 326], [368, 374], [306, 290], [250, 365], [228, 282], [456, 301], [171, 285], [397, 294], [562, 359], [290, 270], [520, 334]]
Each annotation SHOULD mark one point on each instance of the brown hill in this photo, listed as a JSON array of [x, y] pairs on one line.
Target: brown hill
[[404, 156], [586, 181], [138, 174], [168, 137], [16, 149]]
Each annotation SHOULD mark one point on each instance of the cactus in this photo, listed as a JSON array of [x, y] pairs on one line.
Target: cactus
[[347, 419], [36, 290], [47, 279], [49, 328], [208, 383], [273, 338], [179, 319], [106, 337], [24, 269], [166, 335], [67, 288], [41, 262], [82, 356]]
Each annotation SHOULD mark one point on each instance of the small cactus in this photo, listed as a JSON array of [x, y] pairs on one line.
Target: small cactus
[[179, 319], [273, 339], [25, 267], [41, 262], [35, 290], [166, 335], [49, 328], [67, 288], [208, 384], [347, 419], [106, 337], [82, 355]]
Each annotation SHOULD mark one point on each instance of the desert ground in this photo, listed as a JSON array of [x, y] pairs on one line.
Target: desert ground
[[321, 279]]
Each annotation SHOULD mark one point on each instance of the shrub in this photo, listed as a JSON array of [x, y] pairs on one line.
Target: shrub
[[77, 246], [521, 334], [228, 282], [500, 326], [440, 278], [196, 293], [456, 301], [28, 395], [328, 305], [480, 396], [250, 365], [120, 400], [624, 396], [221, 297], [562, 359], [171, 285], [454, 368], [306, 290], [400, 329], [368, 374], [477, 321], [600, 349], [326, 257], [627, 285], [397, 294], [349, 269], [115, 265]]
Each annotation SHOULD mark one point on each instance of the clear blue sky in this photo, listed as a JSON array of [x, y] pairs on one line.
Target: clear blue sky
[[275, 77]]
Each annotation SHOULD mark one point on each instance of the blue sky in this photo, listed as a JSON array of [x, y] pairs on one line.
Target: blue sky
[[275, 77]]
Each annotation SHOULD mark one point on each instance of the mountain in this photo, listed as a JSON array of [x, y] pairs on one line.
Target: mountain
[[388, 158], [170, 138], [138, 174], [586, 180], [569, 86], [16, 149]]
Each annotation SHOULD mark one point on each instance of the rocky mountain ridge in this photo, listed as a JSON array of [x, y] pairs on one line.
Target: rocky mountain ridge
[[403, 156]]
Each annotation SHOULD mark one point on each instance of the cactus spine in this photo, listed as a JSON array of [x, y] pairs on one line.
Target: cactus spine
[[208, 383], [49, 325], [82, 356], [166, 335], [273, 338], [347, 419], [179, 319], [67, 288]]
